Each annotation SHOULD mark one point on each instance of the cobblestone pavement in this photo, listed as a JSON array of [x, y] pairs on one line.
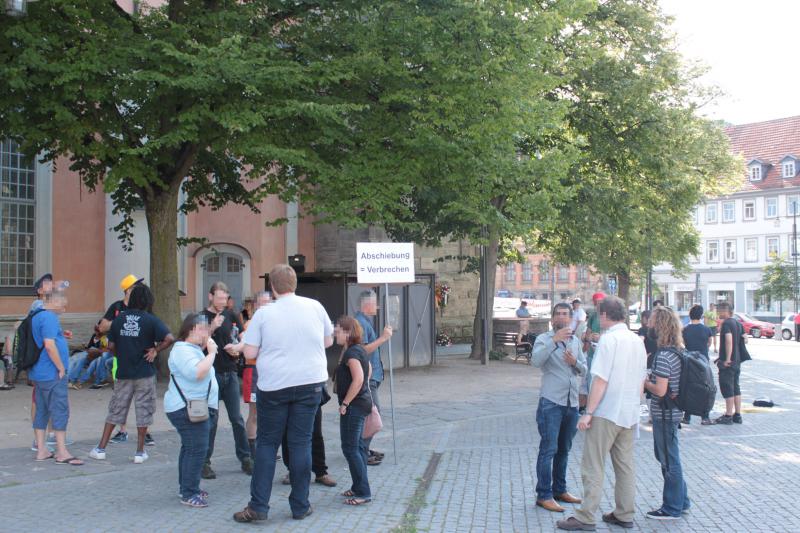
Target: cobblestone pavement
[[466, 442]]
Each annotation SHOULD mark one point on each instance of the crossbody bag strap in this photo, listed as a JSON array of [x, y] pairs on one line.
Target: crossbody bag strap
[[208, 392], [180, 391]]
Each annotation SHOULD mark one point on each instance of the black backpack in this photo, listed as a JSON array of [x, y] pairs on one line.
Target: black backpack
[[697, 388], [26, 351]]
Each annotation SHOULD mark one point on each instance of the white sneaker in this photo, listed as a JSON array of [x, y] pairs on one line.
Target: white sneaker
[[98, 454], [139, 458]]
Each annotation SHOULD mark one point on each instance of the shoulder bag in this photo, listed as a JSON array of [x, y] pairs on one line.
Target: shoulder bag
[[373, 423], [196, 410]]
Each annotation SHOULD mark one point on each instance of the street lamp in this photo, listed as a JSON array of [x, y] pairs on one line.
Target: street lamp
[[794, 250]]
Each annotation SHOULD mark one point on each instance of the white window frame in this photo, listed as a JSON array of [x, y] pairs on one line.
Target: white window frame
[[712, 245], [745, 205], [715, 210], [789, 169], [777, 241], [754, 242], [755, 173], [792, 200], [725, 243], [732, 212], [774, 200]]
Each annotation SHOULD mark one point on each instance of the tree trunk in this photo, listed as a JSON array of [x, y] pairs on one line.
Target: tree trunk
[[624, 285], [161, 211], [487, 282]]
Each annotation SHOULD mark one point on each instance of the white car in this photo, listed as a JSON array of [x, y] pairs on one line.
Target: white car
[[787, 326]]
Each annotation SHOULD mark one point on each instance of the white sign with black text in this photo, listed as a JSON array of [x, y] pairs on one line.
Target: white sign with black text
[[384, 262]]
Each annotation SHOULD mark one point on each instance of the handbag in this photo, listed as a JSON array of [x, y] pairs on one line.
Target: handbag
[[373, 423], [196, 410]]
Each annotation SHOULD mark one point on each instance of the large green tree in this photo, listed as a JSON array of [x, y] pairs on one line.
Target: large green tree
[[778, 281], [228, 100], [646, 157]]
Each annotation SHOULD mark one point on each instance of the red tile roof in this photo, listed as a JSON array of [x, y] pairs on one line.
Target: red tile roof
[[769, 142]]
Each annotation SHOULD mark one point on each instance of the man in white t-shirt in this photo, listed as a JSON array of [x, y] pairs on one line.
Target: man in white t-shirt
[[288, 340], [612, 412], [578, 323]]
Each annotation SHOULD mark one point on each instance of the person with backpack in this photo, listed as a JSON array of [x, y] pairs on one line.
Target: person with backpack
[[663, 385], [697, 337], [732, 353], [49, 375]]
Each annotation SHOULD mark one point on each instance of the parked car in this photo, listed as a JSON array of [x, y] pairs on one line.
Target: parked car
[[504, 293], [756, 328], [787, 326]]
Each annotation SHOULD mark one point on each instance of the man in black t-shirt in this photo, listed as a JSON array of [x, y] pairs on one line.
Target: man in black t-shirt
[[136, 336], [697, 338], [225, 329], [729, 364], [648, 338], [127, 284]]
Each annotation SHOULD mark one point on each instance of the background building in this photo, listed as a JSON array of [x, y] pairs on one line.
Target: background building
[[741, 231], [538, 278]]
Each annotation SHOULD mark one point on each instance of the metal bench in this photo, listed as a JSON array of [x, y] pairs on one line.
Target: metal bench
[[523, 345]]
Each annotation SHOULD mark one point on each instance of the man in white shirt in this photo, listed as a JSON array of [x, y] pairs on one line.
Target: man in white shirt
[[288, 340], [578, 323], [612, 412]]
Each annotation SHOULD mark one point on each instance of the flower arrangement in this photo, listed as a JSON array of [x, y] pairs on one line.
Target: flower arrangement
[[443, 339], [441, 291]]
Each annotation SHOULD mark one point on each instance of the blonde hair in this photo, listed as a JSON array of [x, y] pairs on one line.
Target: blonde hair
[[283, 279], [667, 327]]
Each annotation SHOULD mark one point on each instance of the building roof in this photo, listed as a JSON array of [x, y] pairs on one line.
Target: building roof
[[768, 142]]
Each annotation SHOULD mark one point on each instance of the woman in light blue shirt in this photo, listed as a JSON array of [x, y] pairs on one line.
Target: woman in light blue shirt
[[193, 373]]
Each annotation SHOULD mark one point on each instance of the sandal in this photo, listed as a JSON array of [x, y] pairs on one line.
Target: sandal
[[51, 456], [348, 494], [357, 501], [195, 501], [72, 461]]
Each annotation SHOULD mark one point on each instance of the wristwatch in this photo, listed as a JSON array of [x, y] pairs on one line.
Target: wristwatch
[[345, 404]]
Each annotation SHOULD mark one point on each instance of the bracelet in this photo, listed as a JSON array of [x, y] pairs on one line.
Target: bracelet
[[345, 404]]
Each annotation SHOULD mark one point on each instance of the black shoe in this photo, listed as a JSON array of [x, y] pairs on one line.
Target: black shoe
[[208, 472], [737, 418], [247, 466], [148, 440], [379, 455], [658, 514], [304, 515], [609, 518], [725, 420], [687, 419]]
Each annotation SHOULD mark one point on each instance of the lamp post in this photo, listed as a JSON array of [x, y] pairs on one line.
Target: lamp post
[[794, 250]]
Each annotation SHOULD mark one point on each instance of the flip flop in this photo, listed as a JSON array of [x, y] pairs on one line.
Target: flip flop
[[348, 494], [356, 501], [72, 461], [51, 456]]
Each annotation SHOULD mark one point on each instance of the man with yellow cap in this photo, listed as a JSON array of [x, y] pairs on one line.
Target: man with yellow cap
[[127, 284]]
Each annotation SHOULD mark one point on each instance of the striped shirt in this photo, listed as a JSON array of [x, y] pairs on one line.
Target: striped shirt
[[666, 364]]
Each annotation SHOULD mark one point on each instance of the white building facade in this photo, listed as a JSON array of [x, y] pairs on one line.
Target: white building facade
[[741, 233]]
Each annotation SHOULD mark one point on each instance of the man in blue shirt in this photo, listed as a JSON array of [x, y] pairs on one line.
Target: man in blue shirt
[[522, 310], [49, 376], [368, 308]]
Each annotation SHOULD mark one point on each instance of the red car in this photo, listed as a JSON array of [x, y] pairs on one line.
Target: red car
[[756, 328]]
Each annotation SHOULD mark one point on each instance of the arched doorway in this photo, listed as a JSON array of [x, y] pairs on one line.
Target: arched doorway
[[228, 264]]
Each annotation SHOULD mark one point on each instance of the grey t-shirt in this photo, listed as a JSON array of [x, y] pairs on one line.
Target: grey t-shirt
[[666, 364]]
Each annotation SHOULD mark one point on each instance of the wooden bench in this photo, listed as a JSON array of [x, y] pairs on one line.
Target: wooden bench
[[522, 348]]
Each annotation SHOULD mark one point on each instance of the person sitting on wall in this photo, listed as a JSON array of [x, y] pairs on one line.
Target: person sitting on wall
[[522, 311]]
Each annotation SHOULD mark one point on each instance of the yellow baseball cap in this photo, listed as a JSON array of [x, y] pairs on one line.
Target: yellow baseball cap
[[129, 281]]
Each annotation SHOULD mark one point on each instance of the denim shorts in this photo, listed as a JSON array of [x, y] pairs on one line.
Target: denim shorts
[[52, 402]]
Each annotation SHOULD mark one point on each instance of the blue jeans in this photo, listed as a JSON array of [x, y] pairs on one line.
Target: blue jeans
[[667, 451], [351, 425], [557, 427], [290, 410], [194, 445], [76, 363], [230, 393], [52, 404]]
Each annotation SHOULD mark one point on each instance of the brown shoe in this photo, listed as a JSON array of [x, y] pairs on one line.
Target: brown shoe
[[326, 480], [566, 498], [550, 505], [249, 515], [610, 518], [573, 524]]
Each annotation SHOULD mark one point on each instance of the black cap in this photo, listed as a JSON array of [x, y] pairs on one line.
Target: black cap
[[40, 282]]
